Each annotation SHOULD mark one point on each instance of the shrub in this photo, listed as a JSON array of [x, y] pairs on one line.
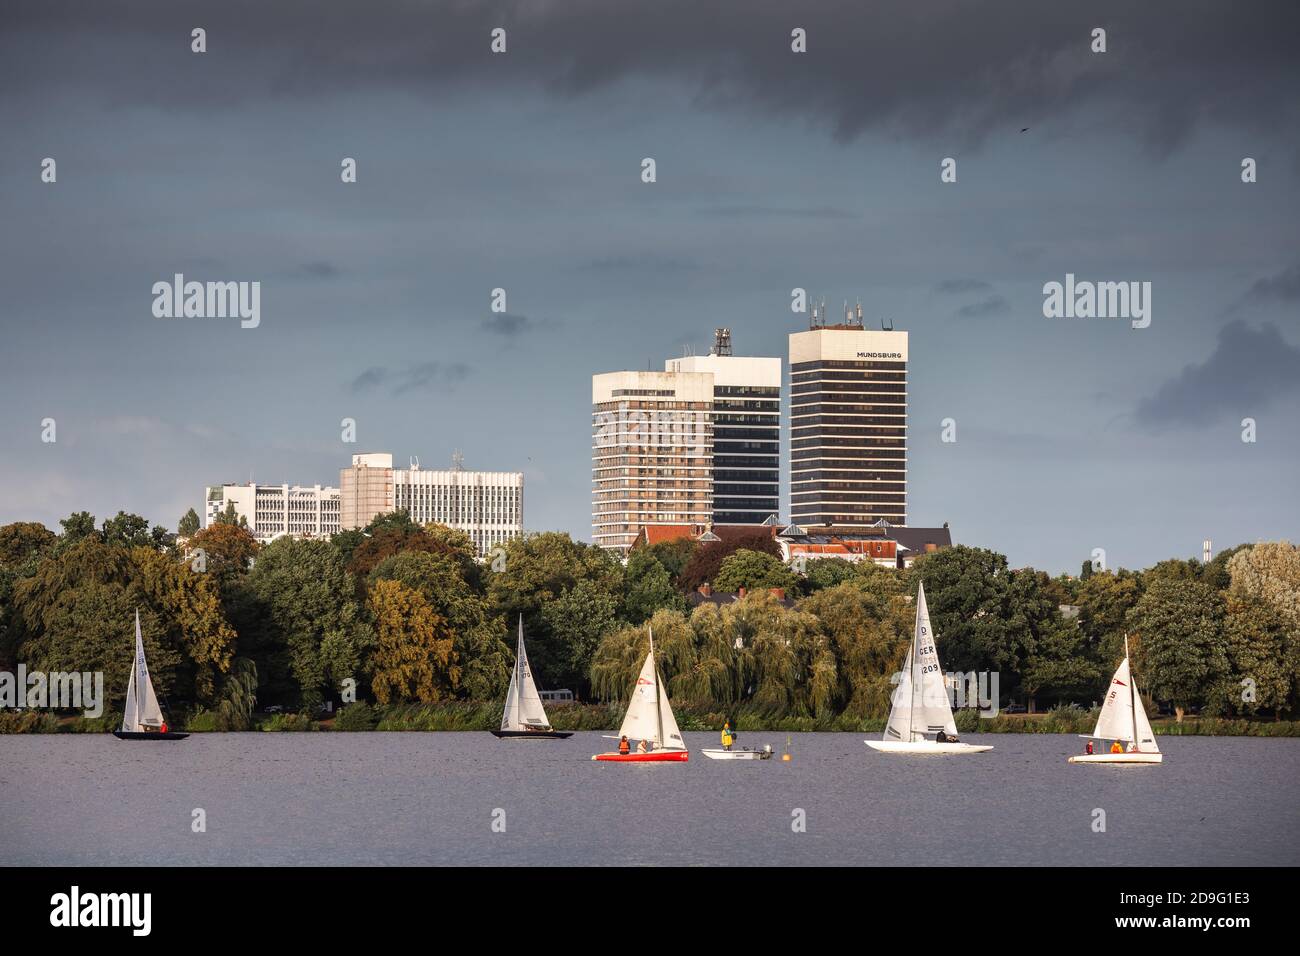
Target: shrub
[[28, 722], [358, 716], [289, 722]]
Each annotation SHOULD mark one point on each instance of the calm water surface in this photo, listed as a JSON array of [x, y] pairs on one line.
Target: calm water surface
[[417, 798]]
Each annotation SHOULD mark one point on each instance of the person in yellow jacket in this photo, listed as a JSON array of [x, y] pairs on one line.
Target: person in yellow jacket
[[727, 736], [1117, 748]]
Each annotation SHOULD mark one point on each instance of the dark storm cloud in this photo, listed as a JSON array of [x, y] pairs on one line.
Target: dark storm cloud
[[319, 270], [1248, 371], [509, 325], [993, 305], [958, 286], [944, 69], [1283, 287], [424, 376]]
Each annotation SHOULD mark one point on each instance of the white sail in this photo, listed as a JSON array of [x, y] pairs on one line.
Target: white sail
[[1122, 715], [920, 704], [524, 710], [649, 714], [142, 711]]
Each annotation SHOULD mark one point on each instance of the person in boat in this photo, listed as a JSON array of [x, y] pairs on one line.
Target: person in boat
[[1132, 747], [1117, 748], [641, 747], [623, 746], [727, 736], [162, 728], [1088, 748], [942, 737]]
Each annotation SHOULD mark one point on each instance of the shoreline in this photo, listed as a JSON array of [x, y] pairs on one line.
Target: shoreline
[[599, 718]]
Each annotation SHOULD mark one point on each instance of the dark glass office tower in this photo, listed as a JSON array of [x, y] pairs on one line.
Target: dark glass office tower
[[848, 425], [746, 431]]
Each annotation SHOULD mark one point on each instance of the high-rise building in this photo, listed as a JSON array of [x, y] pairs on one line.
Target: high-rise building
[[848, 423], [651, 453], [273, 511], [746, 431], [367, 489], [486, 505]]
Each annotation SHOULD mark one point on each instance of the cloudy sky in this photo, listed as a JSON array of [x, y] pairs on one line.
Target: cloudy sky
[[775, 170]]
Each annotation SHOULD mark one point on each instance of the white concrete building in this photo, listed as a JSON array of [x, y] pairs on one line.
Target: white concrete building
[[272, 511], [486, 505]]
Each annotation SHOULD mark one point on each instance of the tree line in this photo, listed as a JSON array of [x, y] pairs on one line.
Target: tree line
[[404, 613]]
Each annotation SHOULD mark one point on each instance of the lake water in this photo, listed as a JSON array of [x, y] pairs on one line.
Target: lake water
[[428, 798]]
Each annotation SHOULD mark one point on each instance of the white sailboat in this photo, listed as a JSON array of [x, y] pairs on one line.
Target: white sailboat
[[525, 716], [1124, 719], [649, 719], [920, 706], [142, 718]]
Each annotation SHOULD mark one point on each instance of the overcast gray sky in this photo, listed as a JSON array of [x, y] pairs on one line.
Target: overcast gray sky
[[775, 170]]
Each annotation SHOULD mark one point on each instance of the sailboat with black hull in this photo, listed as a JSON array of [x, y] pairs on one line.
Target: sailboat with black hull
[[143, 719], [525, 716]]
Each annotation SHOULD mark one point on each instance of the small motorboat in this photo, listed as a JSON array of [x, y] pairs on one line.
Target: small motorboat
[[743, 753], [142, 718], [525, 716]]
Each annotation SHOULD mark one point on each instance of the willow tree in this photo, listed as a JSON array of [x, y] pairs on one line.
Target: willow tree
[[869, 634]]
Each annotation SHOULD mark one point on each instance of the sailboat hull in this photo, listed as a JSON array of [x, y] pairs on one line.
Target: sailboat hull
[[654, 756], [148, 735], [926, 748], [1119, 758], [532, 734]]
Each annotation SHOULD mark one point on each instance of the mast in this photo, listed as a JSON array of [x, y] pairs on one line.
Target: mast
[[916, 637], [659, 711], [1132, 692]]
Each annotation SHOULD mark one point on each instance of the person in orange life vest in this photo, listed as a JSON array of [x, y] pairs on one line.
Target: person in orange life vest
[[1117, 748], [163, 729], [623, 746]]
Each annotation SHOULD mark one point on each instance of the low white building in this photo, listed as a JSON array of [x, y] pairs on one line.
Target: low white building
[[272, 511], [486, 505]]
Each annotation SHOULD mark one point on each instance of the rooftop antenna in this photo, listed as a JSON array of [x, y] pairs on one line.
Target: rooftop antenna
[[415, 463], [887, 324], [721, 342], [457, 461], [859, 313]]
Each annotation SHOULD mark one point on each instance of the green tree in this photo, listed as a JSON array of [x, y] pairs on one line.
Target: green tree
[[76, 526], [538, 570], [1261, 659], [189, 524], [752, 570], [574, 623], [827, 573], [648, 587], [1177, 626], [305, 616]]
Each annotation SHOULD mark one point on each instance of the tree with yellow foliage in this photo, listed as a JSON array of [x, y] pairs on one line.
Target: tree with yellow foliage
[[414, 659]]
